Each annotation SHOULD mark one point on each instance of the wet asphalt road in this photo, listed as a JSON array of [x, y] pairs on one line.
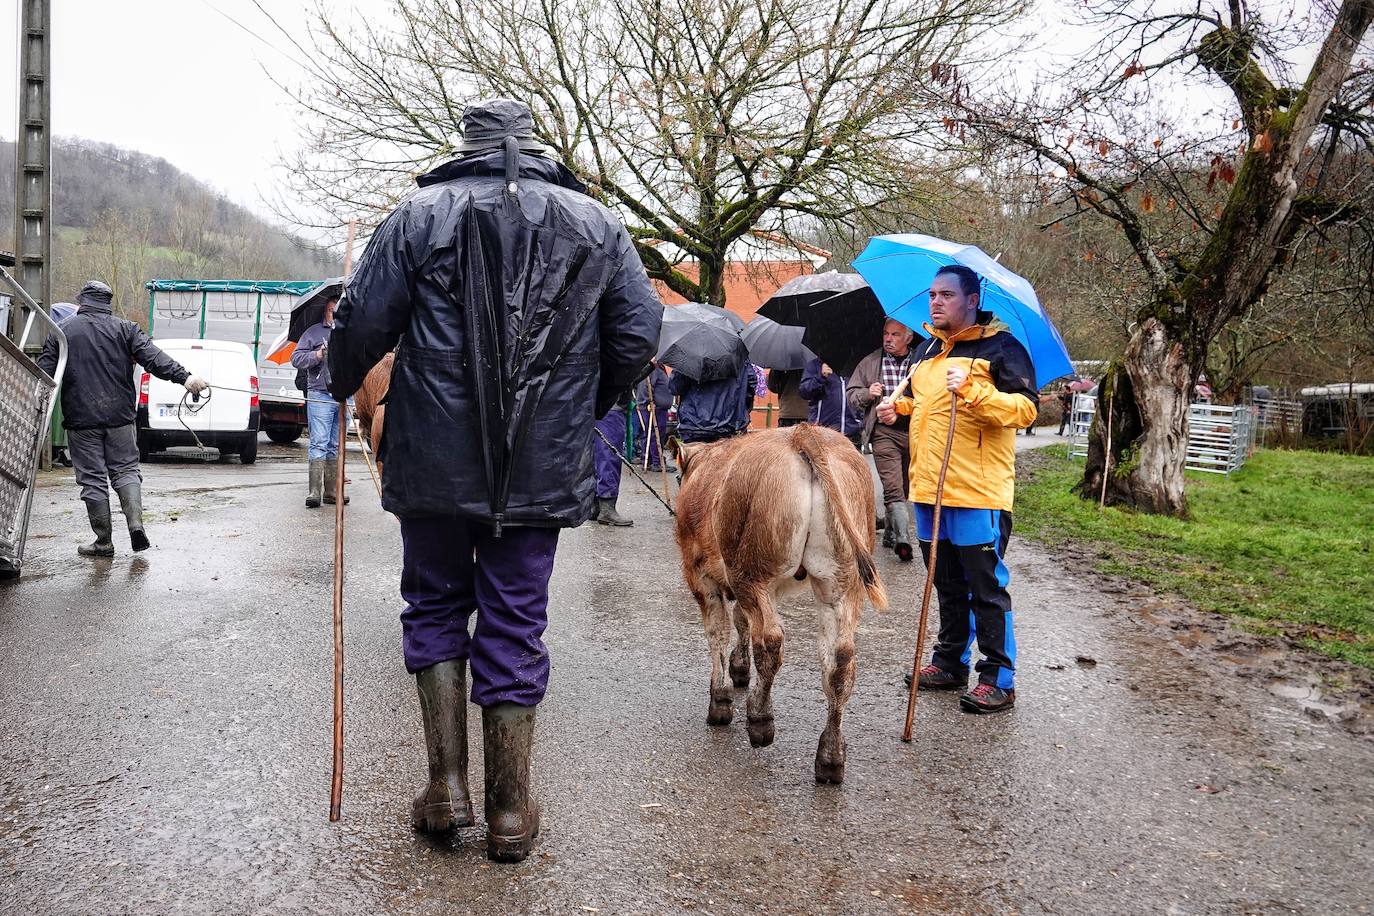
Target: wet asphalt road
[[165, 721]]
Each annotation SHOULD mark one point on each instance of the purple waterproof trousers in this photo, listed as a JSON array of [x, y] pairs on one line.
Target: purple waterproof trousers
[[452, 567], [612, 426]]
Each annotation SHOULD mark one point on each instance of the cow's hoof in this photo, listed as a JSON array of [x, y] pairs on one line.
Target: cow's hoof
[[720, 713], [761, 731], [830, 773], [739, 671]]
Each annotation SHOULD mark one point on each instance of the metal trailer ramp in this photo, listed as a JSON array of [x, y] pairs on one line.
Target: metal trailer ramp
[[27, 395]]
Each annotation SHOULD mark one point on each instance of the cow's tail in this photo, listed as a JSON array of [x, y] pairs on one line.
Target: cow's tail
[[846, 532]]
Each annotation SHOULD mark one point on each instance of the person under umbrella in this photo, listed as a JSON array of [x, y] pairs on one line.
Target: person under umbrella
[[321, 410], [487, 452], [877, 377], [823, 389], [713, 410], [970, 356]]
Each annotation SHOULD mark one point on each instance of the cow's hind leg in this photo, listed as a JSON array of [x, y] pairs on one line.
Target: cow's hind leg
[[839, 619], [715, 617], [765, 635], [739, 656]]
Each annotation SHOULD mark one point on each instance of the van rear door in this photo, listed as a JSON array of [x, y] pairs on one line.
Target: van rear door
[[165, 398], [231, 377]]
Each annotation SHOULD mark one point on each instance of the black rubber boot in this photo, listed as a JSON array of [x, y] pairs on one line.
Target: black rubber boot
[[899, 520], [445, 802], [103, 545], [316, 493], [887, 528], [512, 814], [606, 514], [131, 503], [331, 480]]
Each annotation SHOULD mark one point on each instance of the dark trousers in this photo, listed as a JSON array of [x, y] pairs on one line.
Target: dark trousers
[[972, 580], [452, 567], [103, 458], [891, 456], [607, 463]]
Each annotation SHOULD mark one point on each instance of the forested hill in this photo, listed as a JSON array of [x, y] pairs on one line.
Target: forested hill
[[125, 217]]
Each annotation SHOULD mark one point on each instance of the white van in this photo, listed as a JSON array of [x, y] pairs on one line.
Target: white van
[[227, 421]]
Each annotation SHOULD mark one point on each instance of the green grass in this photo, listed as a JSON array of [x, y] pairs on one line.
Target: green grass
[[1286, 543]]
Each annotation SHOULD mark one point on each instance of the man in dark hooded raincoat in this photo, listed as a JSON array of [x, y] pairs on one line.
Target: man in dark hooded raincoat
[[519, 312]]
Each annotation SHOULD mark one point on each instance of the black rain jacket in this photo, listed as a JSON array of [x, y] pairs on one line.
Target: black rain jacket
[[98, 386], [522, 311]]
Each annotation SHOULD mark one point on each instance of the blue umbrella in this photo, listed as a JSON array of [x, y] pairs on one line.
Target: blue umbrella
[[900, 269]]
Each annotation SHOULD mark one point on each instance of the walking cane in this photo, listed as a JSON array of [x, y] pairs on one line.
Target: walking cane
[[336, 781], [662, 462], [930, 571]]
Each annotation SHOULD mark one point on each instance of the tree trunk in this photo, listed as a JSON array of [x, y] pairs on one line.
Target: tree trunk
[[1147, 396]]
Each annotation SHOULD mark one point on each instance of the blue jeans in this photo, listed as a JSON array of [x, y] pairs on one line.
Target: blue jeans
[[322, 412]]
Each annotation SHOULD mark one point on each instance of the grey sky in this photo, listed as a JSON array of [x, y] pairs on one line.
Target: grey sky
[[181, 80], [172, 78]]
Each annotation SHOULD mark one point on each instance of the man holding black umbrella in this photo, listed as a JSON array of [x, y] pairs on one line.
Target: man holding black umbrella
[[321, 410], [523, 313]]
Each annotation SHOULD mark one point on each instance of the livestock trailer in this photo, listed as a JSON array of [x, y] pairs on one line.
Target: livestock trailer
[[251, 312]]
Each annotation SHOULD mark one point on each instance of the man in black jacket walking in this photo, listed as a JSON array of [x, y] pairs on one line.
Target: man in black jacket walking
[[522, 313], [99, 404]]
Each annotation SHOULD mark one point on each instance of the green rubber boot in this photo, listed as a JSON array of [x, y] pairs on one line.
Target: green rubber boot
[[445, 802], [512, 813]]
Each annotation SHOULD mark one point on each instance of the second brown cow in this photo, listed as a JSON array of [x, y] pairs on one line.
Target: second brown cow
[[763, 514]]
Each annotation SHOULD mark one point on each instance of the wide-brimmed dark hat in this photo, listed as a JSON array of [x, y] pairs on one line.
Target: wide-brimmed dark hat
[[487, 124], [95, 293]]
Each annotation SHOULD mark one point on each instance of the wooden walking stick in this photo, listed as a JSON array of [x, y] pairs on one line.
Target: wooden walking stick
[[336, 778], [336, 781], [930, 571]]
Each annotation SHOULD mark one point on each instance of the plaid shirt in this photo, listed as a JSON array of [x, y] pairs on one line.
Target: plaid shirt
[[894, 370]]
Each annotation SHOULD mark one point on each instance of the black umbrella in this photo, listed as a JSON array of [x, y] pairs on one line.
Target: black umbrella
[[841, 327], [309, 309], [787, 304], [776, 346], [702, 342]]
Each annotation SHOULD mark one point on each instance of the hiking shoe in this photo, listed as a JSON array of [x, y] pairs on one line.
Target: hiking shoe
[[933, 678], [987, 698]]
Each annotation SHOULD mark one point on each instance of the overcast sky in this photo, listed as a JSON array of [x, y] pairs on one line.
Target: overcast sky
[[172, 78], [186, 80]]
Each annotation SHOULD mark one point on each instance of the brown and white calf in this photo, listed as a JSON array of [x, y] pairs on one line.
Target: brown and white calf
[[763, 514]]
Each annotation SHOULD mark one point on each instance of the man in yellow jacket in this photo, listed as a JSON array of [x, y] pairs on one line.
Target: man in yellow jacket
[[971, 356]]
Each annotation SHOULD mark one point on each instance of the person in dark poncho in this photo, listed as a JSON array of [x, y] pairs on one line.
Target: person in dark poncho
[[522, 313]]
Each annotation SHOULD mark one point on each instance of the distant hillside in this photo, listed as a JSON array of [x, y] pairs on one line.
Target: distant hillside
[[125, 217]]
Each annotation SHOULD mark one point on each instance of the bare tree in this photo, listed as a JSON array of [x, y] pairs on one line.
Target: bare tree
[[699, 120], [1212, 205]]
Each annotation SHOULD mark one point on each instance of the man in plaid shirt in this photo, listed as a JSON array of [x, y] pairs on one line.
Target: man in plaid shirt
[[876, 377]]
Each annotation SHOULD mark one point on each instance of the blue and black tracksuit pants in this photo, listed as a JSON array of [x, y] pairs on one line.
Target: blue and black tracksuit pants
[[971, 580]]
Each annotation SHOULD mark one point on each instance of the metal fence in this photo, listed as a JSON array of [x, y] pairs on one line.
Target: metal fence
[[1220, 439]]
